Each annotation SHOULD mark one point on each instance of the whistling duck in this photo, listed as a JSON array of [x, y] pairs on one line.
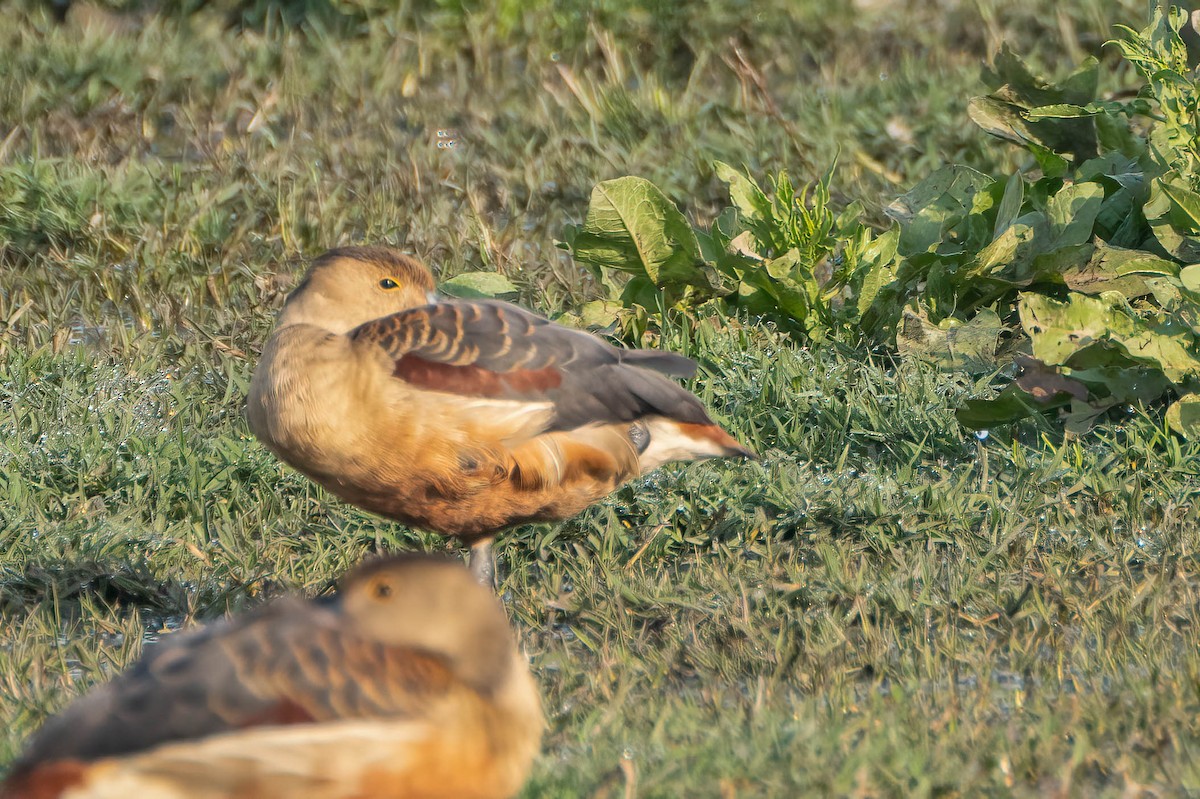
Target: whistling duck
[[407, 683], [462, 417]]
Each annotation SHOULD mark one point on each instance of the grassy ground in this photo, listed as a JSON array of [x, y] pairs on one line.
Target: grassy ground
[[886, 605]]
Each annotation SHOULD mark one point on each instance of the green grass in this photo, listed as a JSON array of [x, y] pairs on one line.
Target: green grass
[[885, 606]]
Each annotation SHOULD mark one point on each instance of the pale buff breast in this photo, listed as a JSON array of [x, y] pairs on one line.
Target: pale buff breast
[[334, 411], [324, 408], [465, 746], [355, 759]]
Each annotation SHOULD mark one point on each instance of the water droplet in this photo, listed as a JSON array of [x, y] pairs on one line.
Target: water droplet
[[982, 434]]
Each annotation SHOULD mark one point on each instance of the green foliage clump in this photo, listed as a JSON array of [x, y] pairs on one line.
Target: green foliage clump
[[1089, 255], [781, 253], [1102, 246]]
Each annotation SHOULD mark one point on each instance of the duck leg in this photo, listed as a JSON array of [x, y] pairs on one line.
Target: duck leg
[[483, 563]]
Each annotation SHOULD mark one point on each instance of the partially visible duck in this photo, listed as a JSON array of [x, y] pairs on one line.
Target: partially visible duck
[[407, 683]]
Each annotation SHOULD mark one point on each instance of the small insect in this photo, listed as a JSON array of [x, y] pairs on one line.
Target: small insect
[[447, 138]]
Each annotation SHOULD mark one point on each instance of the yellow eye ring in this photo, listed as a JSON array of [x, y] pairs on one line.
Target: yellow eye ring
[[387, 284]]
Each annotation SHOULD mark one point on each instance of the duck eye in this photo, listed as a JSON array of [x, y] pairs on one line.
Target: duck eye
[[388, 284], [383, 590]]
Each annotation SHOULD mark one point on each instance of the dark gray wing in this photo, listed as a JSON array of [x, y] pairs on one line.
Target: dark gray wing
[[493, 349]]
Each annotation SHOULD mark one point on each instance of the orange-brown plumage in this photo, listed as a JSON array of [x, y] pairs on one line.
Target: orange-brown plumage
[[407, 684], [461, 417]]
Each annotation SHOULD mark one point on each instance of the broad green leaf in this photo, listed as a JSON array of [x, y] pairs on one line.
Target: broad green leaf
[[727, 225], [969, 346], [1072, 213], [1123, 384], [1179, 304], [850, 217], [756, 301], [1002, 252], [1011, 405], [641, 291], [1080, 86], [1117, 269], [715, 242], [880, 255], [1120, 221], [1008, 70], [599, 313], [744, 191], [1038, 193], [1010, 204], [1079, 417], [1058, 330], [711, 245], [789, 296], [1184, 202], [1050, 266], [1118, 168], [1184, 416], [935, 207], [1189, 276], [632, 226], [480, 285], [1160, 212], [785, 266], [1000, 119], [1113, 133], [1051, 121], [1028, 253], [1051, 163], [940, 296], [1036, 246]]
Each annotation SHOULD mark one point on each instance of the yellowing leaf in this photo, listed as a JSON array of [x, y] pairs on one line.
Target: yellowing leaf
[[1184, 416], [477, 285]]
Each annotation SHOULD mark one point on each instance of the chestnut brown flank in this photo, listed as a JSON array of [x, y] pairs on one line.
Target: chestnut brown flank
[[46, 781], [286, 712], [474, 380]]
